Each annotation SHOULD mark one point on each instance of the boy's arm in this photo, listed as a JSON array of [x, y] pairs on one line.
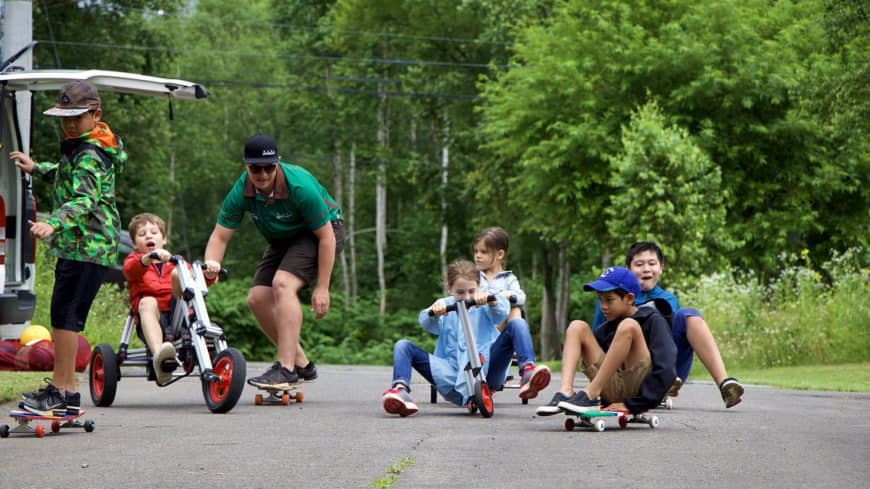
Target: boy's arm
[[663, 353], [87, 175], [133, 269]]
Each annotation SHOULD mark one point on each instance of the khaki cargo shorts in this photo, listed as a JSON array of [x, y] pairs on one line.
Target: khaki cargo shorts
[[624, 382]]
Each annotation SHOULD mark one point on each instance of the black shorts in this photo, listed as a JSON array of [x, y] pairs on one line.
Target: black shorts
[[165, 322], [76, 284], [297, 255]]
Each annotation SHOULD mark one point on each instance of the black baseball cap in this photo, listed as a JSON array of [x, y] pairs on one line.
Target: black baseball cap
[[261, 149]]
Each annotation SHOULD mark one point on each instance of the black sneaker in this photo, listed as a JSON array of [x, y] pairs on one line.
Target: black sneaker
[[73, 403], [277, 377], [45, 402], [307, 373], [552, 407], [28, 395], [580, 403]]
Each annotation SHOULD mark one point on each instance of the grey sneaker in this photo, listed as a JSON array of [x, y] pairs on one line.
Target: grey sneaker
[[166, 352], [732, 392], [277, 377], [534, 380], [552, 407], [307, 373], [45, 402], [580, 403]]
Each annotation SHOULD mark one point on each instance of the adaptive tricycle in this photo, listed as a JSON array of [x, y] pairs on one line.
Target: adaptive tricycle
[[199, 344]]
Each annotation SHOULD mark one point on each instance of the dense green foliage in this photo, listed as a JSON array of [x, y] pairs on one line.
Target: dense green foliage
[[731, 132]]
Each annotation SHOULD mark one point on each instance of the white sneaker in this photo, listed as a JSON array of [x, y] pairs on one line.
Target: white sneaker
[[166, 352]]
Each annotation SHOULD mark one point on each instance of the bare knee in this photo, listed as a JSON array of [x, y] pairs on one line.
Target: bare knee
[[577, 328]]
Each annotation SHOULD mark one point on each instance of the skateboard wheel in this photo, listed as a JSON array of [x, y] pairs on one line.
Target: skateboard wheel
[[623, 421], [599, 425], [669, 403], [298, 397], [285, 400], [654, 422], [4, 431], [89, 426], [258, 400], [55, 426], [39, 431], [569, 424]]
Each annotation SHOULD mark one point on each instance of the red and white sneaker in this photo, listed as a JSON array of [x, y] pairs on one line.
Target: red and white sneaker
[[398, 401], [534, 380]]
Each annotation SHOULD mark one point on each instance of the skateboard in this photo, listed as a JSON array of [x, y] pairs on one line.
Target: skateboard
[[23, 418], [277, 396], [595, 419]]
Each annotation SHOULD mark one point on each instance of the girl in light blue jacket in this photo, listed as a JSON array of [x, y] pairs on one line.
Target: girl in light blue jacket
[[444, 367]]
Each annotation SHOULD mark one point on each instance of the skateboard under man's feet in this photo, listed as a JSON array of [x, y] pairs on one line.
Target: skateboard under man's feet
[[24, 418], [277, 395]]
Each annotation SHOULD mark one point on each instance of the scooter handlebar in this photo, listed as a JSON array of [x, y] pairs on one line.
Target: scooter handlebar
[[472, 303]]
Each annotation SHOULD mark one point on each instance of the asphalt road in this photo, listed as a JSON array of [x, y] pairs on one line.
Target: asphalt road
[[340, 437]]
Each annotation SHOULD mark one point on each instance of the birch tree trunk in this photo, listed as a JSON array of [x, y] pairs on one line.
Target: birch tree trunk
[[349, 225], [445, 160], [381, 196]]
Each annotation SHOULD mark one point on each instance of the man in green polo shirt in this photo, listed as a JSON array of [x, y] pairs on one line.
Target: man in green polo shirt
[[305, 231]]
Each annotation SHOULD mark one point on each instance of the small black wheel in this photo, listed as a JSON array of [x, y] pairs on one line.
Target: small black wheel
[[89, 426], [4, 431], [223, 394], [103, 375]]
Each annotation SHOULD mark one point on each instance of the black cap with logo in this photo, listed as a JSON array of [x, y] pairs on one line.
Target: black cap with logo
[[261, 149]]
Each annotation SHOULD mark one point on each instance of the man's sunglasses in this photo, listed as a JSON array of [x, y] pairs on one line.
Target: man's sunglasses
[[255, 169]]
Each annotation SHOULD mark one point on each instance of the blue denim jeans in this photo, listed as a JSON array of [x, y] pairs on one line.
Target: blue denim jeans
[[514, 338], [406, 354], [685, 352]]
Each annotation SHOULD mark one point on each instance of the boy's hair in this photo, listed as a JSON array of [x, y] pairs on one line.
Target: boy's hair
[[462, 269], [640, 247], [140, 220]]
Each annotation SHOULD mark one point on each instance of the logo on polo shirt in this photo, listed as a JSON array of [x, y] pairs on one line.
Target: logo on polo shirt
[[289, 215]]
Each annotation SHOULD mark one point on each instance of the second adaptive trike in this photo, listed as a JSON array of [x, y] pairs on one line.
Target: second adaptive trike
[[201, 349]]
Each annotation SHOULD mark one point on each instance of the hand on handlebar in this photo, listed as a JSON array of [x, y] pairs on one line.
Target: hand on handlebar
[[158, 254], [212, 268], [439, 308]]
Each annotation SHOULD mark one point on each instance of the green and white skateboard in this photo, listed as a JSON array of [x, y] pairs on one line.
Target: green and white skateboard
[[595, 419]]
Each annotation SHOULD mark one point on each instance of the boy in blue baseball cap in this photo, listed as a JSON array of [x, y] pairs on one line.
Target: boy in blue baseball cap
[[629, 360]]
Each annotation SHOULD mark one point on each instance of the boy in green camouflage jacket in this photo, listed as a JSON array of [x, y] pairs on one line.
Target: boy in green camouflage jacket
[[83, 231]]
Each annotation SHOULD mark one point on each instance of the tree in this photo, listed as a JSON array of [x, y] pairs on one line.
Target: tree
[[670, 193]]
